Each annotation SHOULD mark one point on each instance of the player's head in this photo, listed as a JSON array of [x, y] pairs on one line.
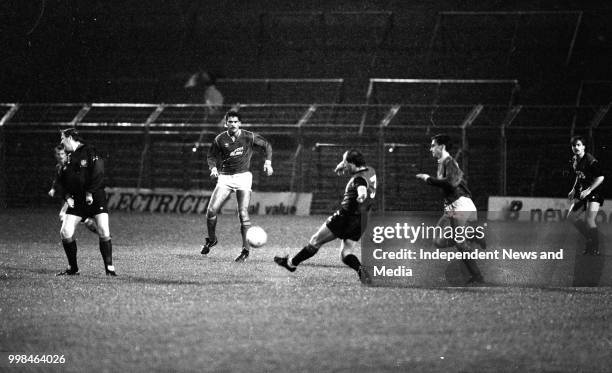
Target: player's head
[[439, 144], [232, 122], [352, 160], [60, 154], [71, 139], [578, 145], [354, 157]]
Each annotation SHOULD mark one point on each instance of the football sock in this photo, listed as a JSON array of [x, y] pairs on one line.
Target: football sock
[[106, 249], [594, 238], [70, 247], [211, 224], [245, 224], [472, 268], [351, 261], [307, 252]]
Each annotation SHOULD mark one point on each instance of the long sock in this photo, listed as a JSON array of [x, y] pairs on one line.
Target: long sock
[[352, 261], [582, 228], [106, 249], [472, 268], [594, 236], [211, 225], [244, 227], [307, 252], [70, 247]]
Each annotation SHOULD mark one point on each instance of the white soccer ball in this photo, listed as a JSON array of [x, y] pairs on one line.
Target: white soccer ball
[[256, 236]]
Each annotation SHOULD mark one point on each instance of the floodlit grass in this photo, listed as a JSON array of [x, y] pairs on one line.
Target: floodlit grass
[[172, 309]]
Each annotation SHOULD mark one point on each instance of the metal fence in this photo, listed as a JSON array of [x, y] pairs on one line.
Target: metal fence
[[504, 150]]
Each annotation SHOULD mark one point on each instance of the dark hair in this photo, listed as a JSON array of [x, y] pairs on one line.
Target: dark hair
[[575, 139], [232, 113], [72, 132], [442, 139], [355, 157], [60, 147]]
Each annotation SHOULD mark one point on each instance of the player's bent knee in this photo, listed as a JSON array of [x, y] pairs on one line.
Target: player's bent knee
[[346, 252], [66, 235], [314, 242], [211, 213], [243, 214]]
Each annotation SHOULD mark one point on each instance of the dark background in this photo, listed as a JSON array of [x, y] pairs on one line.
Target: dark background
[[132, 51]]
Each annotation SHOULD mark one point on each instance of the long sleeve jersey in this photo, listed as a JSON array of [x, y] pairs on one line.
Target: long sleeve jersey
[[82, 173], [450, 179], [232, 156]]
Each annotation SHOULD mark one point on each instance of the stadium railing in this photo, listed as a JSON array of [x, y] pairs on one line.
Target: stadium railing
[[505, 150]]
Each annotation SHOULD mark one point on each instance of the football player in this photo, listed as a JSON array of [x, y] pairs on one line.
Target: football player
[[60, 158], [459, 209], [349, 222], [82, 182], [231, 152], [585, 196]]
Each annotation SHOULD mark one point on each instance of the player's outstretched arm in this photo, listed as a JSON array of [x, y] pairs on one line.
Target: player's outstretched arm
[[340, 169]]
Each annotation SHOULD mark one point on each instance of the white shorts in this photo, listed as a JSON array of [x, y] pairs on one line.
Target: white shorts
[[462, 208], [241, 181]]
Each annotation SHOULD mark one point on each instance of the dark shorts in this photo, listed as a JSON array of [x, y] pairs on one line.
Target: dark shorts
[[85, 211], [346, 226], [582, 203]]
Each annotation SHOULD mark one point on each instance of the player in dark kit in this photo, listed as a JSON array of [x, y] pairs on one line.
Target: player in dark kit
[[586, 194], [61, 158], [231, 151], [82, 184], [459, 209], [349, 222]]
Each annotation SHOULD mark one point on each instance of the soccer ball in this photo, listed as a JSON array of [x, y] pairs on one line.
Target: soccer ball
[[256, 236]]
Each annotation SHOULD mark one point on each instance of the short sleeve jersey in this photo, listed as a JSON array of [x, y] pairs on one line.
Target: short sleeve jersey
[[587, 169], [365, 177]]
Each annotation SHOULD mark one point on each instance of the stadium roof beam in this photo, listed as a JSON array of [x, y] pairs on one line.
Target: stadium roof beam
[[307, 115], [471, 117], [387, 119], [510, 117], [9, 114], [598, 118], [80, 115]]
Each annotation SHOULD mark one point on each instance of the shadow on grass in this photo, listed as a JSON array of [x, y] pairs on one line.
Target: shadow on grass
[[162, 281], [323, 265], [40, 271]]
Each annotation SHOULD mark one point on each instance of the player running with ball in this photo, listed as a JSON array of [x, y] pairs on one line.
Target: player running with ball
[[349, 222], [232, 151]]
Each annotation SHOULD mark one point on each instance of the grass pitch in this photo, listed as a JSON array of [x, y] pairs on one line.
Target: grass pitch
[[172, 309]]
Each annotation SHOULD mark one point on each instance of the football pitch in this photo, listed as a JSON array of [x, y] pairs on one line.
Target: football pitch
[[172, 309]]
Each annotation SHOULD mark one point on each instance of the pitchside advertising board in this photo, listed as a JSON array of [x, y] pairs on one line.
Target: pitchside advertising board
[[196, 201], [539, 210], [522, 249]]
